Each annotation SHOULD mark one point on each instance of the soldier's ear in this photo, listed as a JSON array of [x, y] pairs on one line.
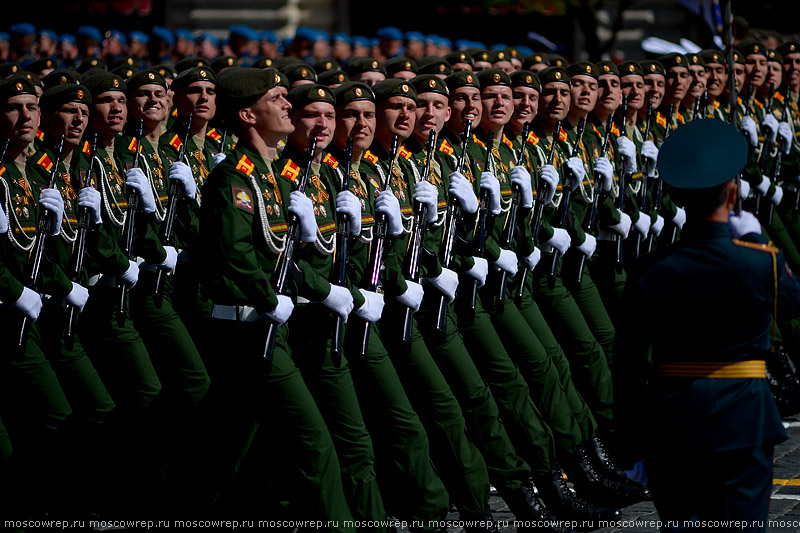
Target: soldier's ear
[[247, 116]]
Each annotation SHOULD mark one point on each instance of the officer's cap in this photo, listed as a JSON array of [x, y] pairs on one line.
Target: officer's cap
[[60, 76], [738, 57], [696, 59], [57, 96], [360, 40], [33, 77], [714, 57], [167, 70], [42, 64], [702, 154], [303, 95], [359, 65], [554, 75], [583, 68], [223, 62], [496, 56], [91, 62], [434, 65], [145, 77], [459, 56], [650, 66], [632, 68], [352, 91], [774, 56], [752, 47], [607, 67], [50, 34], [789, 47], [104, 82], [525, 78], [400, 64], [14, 86], [386, 89], [533, 59], [463, 78], [332, 77], [493, 76], [299, 71], [479, 54], [194, 74], [429, 83], [324, 65], [238, 86], [244, 31]]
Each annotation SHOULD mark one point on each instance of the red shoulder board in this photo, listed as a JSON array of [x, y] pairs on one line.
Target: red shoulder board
[[175, 142], [759, 104], [739, 100], [372, 158], [45, 162], [563, 135], [661, 120], [478, 141], [214, 135], [446, 148], [533, 139], [245, 166], [716, 104], [329, 159], [507, 142], [2, 169], [404, 153], [86, 148], [290, 170], [39, 134], [615, 129], [174, 112], [779, 96], [680, 118], [769, 247], [133, 145]]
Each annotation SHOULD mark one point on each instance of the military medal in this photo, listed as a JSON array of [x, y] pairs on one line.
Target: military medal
[[323, 211], [316, 210], [269, 209]]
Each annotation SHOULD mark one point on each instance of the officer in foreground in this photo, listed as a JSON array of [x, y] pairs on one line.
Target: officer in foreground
[[701, 401]]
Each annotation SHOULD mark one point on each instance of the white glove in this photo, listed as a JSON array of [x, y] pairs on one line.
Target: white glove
[[744, 189], [51, 200], [521, 177], [29, 303], [339, 300], [680, 218], [347, 203], [89, 198], [603, 168], [3, 221], [650, 156], [302, 207], [550, 176], [575, 166], [490, 183], [446, 283], [743, 224], [638, 473], [642, 224], [282, 311], [77, 296], [624, 226], [658, 225], [461, 190], [785, 133], [138, 181], [588, 246], [778, 196], [763, 186], [387, 204], [372, 308], [627, 150], [412, 297], [171, 260], [507, 262], [218, 158], [131, 276], [560, 241], [479, 270], [425, 193], [748, 127], [181, 172], [532, 260], [770, 128]]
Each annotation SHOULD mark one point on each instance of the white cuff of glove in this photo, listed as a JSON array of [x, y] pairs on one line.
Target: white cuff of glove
[[131, 276], [77, 296], [603, 169], [743, 224], [446, 283], [479, 270], [372, 308], [623, 228], [778, 196], [658, 225], [575, 166], [490, 183], [588, 246], [412, 297], [339, 300], [219, 158], [680, 218], [744, 189], [532, 260], [283, 310], [302, 207], [763, 186], [171, 260], [507, 262], [642, 224], [29, 303]]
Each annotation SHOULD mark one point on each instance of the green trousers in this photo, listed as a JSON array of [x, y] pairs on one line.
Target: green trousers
[[609, 280], [783, 235]]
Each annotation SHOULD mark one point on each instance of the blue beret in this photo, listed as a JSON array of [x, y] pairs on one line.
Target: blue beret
[[23, 28], [269, 36], [412, 36], [321, 35], [135, 36], [67, 38], [164, 34], [305, 33], [342, 37], [463, 44], [444, 41], [4, 36], [90, 32], [208, 37], [524, 51], [50, 34], [391, 33], [244, 31], [118, 35], [374, 41], [702, 154], [183, 33], [432, 38], [497, 46], [359, 40]]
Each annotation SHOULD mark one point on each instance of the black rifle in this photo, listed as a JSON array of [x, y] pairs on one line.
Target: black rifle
[[776, 170], [415, 246], [43, 229], [79, 249], [591, 226], [764, 152], [224, 135], [287, 259], [732, 118], [378, 242], [511, 220], [168, 224], [637, 244], [483, 213], [342, 233], [660, 189], [130, 229], [538, 213], [453, 216], [622, 185]]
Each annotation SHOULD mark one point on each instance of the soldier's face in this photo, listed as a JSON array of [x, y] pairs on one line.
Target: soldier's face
[[791, 69], [554, 101], [432, 112], [70, 121], [698, 84], [774, 74], [369, 78], [404, 75], [199, 99], [583, 93], [465, 106], [396, 116], [20, 119], [739, 76], [609, 92], [655, 86], [633, 88], [458, 67], [498, 106], [109, 112], [755, 66], [481, 65], [526, 104], [717, 78], [505, 66], [149, 102], [318, 120], [356, 120], [269, 115], [677, 81], [538, 67]]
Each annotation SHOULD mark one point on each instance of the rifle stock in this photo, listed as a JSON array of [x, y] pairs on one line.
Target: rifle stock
[[342, 232]]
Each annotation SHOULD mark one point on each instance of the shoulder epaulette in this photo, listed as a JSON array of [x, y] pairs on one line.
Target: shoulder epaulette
[[615, 129], [596, 131], [245, 166], [533, 139], [214, 135], [404, 153], [290, 170], [86, 148], [45, 162], [769, 247], [174, 112], [661, 119], [372, 158], [563, 135], [40, 135], [779, 96], [2, 169], [478, 141], [133, 145], [680, 118], [176, 142], [759, 104], [508, 142], [716, 104], [446, 148], [330, 160]]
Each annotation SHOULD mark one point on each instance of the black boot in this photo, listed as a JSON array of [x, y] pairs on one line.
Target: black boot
[[783, 382], [529, 508], [596, 487], [487, 523], [609, 468], [567, 505]]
